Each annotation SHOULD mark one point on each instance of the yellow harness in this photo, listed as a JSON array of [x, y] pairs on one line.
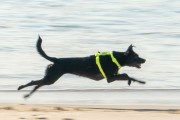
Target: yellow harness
[[99, 64]]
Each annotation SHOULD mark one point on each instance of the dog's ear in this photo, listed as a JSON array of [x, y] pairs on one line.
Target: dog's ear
[[130, 49]]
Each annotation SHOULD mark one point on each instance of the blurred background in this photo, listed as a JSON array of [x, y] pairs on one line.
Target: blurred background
[[78, 28]]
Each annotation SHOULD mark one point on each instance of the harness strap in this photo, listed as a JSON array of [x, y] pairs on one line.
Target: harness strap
[[114, 60]]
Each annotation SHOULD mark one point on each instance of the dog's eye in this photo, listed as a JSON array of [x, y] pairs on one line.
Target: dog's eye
[[136, 56]]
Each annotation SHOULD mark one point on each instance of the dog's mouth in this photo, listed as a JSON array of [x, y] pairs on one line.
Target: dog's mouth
[[138, 65]]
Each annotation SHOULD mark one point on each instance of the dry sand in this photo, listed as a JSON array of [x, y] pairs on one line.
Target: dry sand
[[65, 112]]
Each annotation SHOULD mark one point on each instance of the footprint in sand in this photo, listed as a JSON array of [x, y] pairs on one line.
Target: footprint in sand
[[42, 118], [34, 109], [67, 119], [60, 109], [8, 108], [22, 118]]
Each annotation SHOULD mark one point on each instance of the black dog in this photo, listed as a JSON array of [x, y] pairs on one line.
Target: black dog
[[87, 67]]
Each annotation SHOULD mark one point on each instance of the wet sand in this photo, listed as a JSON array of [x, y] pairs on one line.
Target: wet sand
[[67, 112]]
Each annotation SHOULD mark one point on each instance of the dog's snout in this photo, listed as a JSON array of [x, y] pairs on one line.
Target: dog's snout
[[143, 60]]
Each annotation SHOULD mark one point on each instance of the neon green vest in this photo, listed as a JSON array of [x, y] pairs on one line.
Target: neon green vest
[[99, 64]]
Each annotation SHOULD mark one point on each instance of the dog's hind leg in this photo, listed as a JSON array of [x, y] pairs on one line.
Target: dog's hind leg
[[35, 88], [53, 73], [38, 82]]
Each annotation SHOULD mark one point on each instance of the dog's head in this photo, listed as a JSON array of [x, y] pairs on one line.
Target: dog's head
[[132, 58]]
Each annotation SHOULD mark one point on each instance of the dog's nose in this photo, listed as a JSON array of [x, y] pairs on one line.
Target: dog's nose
[[144, 60]]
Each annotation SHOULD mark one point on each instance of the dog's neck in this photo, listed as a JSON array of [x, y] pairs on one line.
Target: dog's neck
[[121, 57]]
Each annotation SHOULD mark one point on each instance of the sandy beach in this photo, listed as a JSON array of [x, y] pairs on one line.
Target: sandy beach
[[65, 112]]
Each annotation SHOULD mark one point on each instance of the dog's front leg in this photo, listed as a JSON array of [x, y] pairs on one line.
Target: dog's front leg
[[139, 81], [123, 76]]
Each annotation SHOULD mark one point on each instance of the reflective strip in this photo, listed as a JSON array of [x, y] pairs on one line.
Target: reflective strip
[[115, 60], [99, 64]]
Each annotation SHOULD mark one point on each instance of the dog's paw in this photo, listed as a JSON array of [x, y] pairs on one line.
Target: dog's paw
[[20, 87], [26, 96], [129, 82], [142, 82]]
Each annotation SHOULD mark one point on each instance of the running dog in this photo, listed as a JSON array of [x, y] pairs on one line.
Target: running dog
[[96, 67]]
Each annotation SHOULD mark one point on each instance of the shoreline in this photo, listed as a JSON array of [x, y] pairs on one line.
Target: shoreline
[[95, 97], [87, 112]]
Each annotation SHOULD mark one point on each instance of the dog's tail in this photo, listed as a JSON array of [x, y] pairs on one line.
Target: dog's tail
[[42, 53]]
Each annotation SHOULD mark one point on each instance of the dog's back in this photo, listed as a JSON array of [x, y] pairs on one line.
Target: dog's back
[[82, 66]]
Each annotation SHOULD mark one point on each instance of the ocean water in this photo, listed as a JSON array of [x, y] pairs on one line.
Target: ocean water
[[78, 28]]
